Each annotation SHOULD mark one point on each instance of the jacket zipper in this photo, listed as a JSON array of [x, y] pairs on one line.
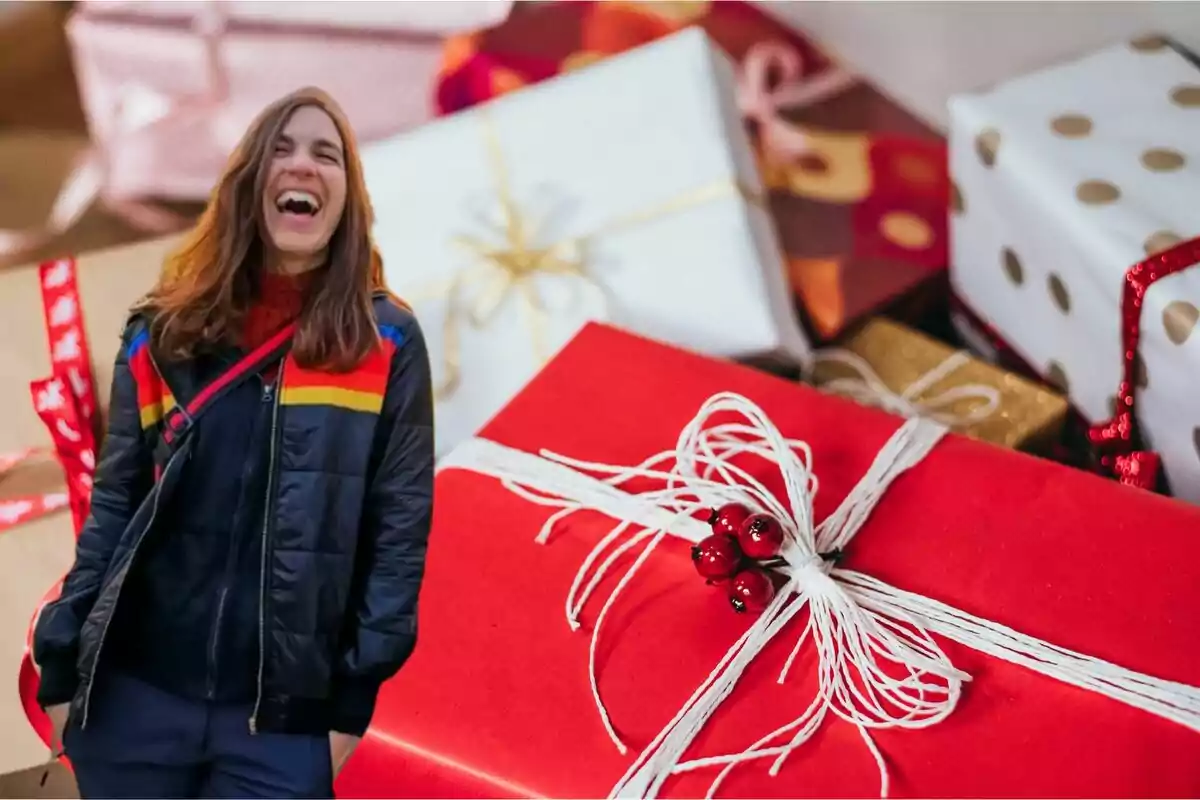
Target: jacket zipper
[[87, 696], [223, 596], [266, 530]]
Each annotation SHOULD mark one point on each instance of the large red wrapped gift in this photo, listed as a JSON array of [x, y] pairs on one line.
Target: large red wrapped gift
[[929, 607]]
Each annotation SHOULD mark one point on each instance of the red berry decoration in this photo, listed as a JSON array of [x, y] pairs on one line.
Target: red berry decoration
[[717, 557], [760, 537], [751, 590], [728, 518]]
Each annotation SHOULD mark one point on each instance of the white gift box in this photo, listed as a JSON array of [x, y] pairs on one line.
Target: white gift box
[[635, 199], [1066, 178]]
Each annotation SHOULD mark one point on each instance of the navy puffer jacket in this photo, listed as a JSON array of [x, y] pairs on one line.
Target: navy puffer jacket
[[347, 517]]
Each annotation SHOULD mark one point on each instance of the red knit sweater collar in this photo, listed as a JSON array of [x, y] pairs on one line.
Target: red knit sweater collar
[[280, 300]]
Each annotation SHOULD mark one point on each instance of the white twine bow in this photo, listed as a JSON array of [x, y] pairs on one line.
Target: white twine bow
[[869, 389], [879, 666]]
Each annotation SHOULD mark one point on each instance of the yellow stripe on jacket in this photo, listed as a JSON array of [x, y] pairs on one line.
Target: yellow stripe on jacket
[[153, 413], [352, 399]]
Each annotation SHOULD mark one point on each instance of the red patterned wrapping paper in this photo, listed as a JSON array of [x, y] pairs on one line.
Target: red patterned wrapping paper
[[495, 701], [859, 187]]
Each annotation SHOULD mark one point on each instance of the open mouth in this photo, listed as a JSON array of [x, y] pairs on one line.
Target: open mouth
[[294, 201]]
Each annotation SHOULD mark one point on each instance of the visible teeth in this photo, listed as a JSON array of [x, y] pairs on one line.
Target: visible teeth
[[295, 195]]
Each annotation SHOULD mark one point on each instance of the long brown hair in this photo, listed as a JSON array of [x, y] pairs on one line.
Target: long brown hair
[[208, 284]]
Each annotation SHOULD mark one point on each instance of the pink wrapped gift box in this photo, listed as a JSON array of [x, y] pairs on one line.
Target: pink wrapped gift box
[[169, 88]]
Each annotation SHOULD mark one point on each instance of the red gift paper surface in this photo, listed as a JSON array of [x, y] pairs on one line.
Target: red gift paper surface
[[496, 701]]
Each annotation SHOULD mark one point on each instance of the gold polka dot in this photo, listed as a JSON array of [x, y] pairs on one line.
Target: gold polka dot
[[906, 229], [1056, 376], [1149, 44], [1096, 193], [1012, 266], [957, 204], [1162, 159], [680, 12], [918, 170], [1187, 95], [1059, 293], [580, 59], [1072, 126], [1161, 240], [812, 163], [987, 144], [505, 80], [1179, 320], [1141, 378]]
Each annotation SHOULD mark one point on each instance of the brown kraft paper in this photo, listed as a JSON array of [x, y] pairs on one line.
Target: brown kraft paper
[[37, 81]]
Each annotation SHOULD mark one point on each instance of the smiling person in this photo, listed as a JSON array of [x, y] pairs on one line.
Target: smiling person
[[248, 574]]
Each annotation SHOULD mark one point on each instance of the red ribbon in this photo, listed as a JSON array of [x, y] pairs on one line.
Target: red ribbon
[[66, 402], [1116, 442]]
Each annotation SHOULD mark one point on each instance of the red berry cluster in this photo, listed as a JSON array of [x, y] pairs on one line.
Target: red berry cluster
[[732, 556]]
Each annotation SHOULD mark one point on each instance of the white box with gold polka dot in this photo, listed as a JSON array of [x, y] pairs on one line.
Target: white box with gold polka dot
[[1064, 179]]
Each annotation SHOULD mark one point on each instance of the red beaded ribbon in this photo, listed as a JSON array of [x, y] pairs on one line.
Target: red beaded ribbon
[[65, 401], [1116, 442]]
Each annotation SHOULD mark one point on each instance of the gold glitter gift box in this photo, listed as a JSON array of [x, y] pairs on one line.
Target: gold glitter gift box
[[886, 364]]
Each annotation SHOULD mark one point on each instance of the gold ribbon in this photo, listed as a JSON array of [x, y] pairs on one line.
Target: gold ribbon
[[509, 267]]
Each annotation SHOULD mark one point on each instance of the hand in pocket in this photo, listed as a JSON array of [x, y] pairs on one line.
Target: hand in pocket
[[58, 725], [341, 745]]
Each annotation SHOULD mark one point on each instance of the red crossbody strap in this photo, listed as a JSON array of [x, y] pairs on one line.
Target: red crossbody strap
[[181, 418]]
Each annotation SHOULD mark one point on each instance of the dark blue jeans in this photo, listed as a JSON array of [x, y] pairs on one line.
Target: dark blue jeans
[[143, 742]]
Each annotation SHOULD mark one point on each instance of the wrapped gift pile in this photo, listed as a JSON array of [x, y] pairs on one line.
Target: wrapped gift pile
[[858, 187], [710, 374]]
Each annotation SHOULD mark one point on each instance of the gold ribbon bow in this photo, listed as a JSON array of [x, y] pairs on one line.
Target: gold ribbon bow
[[511, 266]]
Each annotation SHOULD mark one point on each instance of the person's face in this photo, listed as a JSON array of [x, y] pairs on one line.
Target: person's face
[[306, 184]]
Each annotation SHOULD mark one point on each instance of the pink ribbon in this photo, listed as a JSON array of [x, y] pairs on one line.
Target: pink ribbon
[[781, 140], [85, 183]]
